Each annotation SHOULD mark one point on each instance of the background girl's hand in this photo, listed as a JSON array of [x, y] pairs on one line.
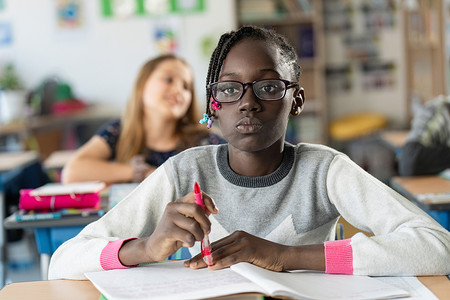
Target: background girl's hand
[[241, 246], [182, 223], [140, 168]]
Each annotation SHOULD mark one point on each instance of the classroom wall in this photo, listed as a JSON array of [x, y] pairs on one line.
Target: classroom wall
[[389, 46], [100, 60]]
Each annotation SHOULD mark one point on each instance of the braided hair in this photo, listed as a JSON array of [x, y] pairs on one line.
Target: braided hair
[[229, 39]]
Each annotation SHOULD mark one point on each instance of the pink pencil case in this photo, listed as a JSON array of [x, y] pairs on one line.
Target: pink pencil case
[[29, 202]]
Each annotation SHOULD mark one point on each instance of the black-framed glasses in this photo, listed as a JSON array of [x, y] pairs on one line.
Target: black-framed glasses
[[265, 89]]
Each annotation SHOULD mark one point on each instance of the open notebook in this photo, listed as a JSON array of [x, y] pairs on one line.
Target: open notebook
[[171, 280]]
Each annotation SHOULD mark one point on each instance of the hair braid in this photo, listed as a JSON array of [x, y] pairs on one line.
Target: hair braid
[[212, 69]]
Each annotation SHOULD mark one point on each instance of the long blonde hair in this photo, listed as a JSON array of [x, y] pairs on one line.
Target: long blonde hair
[[132, 136]]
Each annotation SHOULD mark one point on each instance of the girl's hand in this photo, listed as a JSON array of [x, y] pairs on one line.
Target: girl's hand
[[182, 223], [241, 246], [140, 168]]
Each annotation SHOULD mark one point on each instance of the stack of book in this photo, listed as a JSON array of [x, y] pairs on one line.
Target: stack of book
[[56, 200]]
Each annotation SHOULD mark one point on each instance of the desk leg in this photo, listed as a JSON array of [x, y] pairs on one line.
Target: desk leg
[[45, 262]]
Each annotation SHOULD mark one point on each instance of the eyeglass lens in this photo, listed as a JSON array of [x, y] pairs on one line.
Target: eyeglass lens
[[268, 89]]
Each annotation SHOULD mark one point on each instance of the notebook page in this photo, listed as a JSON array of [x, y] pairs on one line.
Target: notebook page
[[413, 285], [318, 285], [169, 280]]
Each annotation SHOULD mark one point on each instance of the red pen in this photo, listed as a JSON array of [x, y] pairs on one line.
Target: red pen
[[205, 246]]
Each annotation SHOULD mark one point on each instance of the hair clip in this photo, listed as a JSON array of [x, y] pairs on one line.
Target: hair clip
[[215, 105], [205, 119], [209, 124]]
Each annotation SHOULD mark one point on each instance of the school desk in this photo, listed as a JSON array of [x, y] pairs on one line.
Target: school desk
[[394, 139], [85, 290], [50, 234], [52, 132], [411, 187], [11, 164]]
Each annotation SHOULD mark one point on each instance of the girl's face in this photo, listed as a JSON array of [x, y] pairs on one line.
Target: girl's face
[[168, 90], [251, 124]]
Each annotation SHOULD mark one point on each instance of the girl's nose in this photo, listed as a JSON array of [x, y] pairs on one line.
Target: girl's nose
[[249, 101], [177, 87]]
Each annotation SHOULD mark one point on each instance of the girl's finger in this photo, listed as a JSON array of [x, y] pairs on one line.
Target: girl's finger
[[228, 260], [196, 262], [184, 237], [219, 249], [211, 207], [194, 212], [190, 226]]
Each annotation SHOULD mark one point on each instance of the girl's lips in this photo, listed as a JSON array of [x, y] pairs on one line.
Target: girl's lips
[[172, 101], [248, 125]]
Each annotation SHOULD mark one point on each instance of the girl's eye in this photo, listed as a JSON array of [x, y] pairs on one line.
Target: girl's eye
[[269, 89], [229, 90], [168, 79]]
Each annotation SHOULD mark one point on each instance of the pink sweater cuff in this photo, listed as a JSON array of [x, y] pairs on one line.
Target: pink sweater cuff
[[109, 258], [338, 257]]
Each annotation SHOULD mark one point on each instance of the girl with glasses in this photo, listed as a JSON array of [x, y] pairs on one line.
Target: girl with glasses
[[275, 205]]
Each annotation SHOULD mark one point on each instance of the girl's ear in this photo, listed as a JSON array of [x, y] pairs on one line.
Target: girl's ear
[[212, 107], [299, 101]]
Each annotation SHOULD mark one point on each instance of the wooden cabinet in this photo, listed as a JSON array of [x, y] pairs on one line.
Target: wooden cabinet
[[424, 50], [302, 23]]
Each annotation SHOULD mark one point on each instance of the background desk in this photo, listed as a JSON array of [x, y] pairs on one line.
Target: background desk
[[50, 234], [410, 187], [85, 290], [54, 132], [11, 163], [394, 138]]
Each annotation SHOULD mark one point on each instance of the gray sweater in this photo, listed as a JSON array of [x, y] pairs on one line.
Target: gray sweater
[[297, 204]]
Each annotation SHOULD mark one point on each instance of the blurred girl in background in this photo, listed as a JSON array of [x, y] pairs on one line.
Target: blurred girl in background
[[161, 120]]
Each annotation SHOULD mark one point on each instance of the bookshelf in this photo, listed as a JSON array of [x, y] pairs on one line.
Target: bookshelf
[[301, 22], [424, 53]]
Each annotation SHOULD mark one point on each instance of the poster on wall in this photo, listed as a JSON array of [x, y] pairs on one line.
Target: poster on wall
[[70, 20], [69, 14], [121, 9], [5, 34], [130, 8], [167, 35]]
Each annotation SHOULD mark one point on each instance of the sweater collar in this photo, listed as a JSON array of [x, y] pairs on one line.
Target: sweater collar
[[259, 181]]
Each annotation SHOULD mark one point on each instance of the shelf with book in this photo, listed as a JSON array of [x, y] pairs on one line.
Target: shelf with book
[[424, 50], [301, 22]]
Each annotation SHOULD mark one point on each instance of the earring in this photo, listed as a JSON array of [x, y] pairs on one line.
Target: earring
[[295, 110], [215, 105]]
